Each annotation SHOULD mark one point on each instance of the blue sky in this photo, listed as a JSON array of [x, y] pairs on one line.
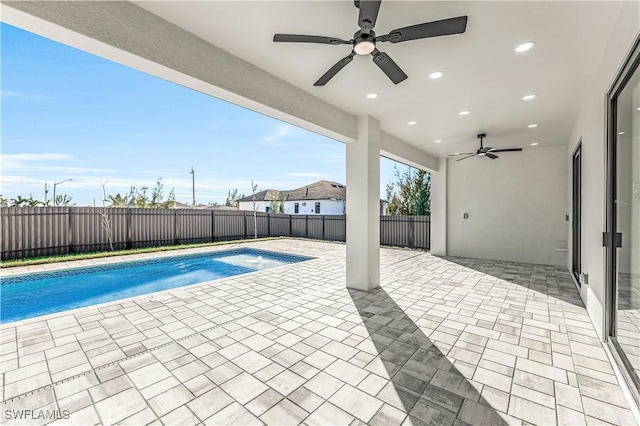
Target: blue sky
[[67, 114]]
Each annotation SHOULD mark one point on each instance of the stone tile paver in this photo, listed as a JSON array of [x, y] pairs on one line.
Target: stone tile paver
[[444, 341]]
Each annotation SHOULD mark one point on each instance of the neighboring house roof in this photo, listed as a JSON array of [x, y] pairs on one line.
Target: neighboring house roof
[[178, 205], [268, 195], [321, 190], [222, 207]]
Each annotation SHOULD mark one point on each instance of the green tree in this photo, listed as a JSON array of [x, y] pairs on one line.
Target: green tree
[[254, 189], [171, 199], [32, 202], [157, 194], [4, 202], [410, 194], [140, 198], [63, 200], [19, 201], [232, 197], [106, 217], [118, 200], [276, 206]]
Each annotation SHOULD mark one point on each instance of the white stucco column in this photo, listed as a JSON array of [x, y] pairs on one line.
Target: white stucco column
[[363, 206], [439, 209]]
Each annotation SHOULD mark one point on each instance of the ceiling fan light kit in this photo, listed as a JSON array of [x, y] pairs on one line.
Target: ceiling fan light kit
[[483, 151], [364, 41]]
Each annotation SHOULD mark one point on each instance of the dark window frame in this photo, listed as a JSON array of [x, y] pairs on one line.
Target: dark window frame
[[576, 213], [317, 207]]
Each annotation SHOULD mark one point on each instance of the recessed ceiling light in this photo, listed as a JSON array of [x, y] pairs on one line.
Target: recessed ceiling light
[[525, 46], [621, 133], [528, 97], [638, 108], [531, 126], [436, 74], [438, 140], [465, 112], [534, 143], [456, 153], [372, 95], [411, 123]]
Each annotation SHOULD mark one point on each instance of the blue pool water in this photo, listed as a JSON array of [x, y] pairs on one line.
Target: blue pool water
[[32, 295]]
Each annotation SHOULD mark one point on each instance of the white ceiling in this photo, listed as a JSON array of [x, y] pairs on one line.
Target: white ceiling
[[482, 72]]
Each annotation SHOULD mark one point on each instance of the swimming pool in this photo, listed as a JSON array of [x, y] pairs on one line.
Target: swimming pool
[[32, 295]]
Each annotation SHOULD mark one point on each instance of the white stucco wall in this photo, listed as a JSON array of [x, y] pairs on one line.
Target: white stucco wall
[[590, 127], [327, 207], [248, 205], [516, 206]]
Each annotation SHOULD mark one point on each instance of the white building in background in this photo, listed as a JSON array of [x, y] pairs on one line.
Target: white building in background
[[322, 197]]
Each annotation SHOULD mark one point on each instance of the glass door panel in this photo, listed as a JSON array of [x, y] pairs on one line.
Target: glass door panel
[[627, 219]]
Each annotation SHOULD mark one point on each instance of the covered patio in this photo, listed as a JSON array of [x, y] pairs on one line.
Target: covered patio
[[363, 335], [443, 341]]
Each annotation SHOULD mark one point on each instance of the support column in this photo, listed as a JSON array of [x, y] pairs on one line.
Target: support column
[[439, 209], [363, 206]]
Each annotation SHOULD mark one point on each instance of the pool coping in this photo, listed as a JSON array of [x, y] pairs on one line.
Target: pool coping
[[117, 259]]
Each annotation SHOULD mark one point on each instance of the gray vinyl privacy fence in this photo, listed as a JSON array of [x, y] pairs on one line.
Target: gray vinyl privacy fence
[[44, 231]]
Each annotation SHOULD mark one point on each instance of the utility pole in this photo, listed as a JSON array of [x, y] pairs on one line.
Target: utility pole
[[193, 186], [54, 188], [46, 191]]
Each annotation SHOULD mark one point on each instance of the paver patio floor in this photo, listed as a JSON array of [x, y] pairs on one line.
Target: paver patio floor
[[442, 341]]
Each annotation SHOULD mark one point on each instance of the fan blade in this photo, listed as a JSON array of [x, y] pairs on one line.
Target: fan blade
[[368, 15], [334, 70], [462, 153], [490, 155], [295, 38], [506, 150], [388, 66], [430, 29], [464, 158]]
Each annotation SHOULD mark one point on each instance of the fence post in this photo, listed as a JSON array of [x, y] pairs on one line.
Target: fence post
[[291, 225], [175, 227], [411, 231], [70, 229], [129, 243], [306, 226], [268, 225], [244, 219], [213, 225], [322, 227]]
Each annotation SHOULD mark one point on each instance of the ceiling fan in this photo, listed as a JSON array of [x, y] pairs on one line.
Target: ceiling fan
[[484, 151], [364, 40]]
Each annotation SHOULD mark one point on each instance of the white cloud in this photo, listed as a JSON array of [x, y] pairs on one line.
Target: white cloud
[[33, 163], [282, 131], [22, 95], [50, 156]]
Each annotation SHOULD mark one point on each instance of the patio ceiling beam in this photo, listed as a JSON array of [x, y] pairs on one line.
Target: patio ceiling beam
[[127, 34], [398, 150]]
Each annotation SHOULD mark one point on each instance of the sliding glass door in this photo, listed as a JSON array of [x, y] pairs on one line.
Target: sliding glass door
[[623, 219]]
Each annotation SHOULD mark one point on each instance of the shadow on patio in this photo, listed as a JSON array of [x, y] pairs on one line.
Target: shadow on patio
[[428, 386]]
